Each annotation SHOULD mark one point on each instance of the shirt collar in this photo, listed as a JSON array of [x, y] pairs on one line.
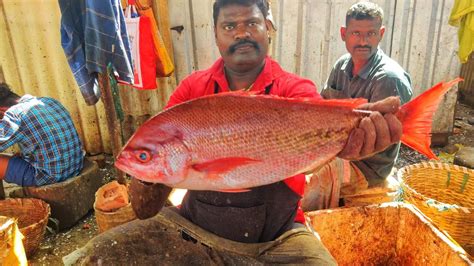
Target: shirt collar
[[26, 97], [270, 71]]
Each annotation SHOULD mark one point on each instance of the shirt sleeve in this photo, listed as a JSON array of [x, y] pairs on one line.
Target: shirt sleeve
[[9, 126], [330, 82], [181, 94]]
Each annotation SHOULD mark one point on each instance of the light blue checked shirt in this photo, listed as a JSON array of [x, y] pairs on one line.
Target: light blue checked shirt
[[93, 34], [45, 133]]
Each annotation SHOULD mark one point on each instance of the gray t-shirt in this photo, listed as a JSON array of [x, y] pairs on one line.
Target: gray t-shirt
[[380, 78]]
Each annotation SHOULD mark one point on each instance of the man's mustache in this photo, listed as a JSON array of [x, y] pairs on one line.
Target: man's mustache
[[363, 47], [236, 45]]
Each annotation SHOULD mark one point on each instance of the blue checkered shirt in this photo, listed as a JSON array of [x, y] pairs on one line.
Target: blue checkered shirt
[[45, 133]]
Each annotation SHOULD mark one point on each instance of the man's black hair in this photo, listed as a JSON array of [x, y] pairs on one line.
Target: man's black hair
[[364, 10], [218, 4], [7, 96]]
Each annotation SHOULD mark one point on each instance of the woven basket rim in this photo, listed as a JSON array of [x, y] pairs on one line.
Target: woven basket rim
[[433, 165], [42, 202]]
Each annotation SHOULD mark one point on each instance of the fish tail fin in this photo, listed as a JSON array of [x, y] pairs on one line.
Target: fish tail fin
[[416, 117]]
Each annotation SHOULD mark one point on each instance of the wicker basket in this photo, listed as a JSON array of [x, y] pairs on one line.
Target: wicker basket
[[444, 193], [107, 220], [32, 215]]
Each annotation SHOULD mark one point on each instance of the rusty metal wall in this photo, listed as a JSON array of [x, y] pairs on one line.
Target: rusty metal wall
[[33, 62], [307, 42]]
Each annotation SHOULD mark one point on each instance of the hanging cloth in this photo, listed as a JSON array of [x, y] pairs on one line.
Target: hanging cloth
[[139, 29], [93, 34], [164, 64], [462, 16]]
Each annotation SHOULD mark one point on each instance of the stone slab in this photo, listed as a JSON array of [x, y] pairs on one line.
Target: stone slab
[[70, 200], [465, 157]]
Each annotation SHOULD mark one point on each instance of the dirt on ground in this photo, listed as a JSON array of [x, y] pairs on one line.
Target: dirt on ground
[[57, 245]]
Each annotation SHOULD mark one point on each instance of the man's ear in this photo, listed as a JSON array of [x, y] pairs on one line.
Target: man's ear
[[382, 31], [215, 32], [269, 25], [343, 33]]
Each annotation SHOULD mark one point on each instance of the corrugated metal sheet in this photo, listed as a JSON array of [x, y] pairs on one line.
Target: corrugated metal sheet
[[307, 42]]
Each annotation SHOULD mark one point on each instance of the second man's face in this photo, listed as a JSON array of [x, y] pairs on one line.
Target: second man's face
[[362, 37], [242, 36]]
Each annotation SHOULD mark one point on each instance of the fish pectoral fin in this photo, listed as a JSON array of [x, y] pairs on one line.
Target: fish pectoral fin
[[223, 165], [237, 190]]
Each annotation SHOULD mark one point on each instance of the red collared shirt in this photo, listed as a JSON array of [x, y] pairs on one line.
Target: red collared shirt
[[284, 84]]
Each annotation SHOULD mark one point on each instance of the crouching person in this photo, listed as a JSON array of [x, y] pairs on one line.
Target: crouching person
[[51, 150]]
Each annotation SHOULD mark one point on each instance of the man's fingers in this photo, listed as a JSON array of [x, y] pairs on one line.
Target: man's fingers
[[395, 127], [353, 145], [368, 127], [385, 106], [382, 130]]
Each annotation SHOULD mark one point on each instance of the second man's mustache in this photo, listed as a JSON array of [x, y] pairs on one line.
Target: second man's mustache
[[236, 45], [363, 47]]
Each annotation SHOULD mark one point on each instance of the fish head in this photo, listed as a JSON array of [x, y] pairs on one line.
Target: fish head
[[155, 157]]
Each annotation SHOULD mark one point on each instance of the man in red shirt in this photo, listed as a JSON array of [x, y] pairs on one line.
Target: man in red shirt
[[265, 224]]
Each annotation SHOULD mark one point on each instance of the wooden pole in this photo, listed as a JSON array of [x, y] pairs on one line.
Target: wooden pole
[[112, 123]]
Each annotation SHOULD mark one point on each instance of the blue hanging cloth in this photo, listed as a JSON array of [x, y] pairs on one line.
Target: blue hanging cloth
[[93, 34]]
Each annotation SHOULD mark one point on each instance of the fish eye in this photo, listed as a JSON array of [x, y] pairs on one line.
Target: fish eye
[[144, 156]]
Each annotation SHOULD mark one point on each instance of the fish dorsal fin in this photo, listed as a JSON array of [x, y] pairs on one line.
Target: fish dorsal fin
[[222, 165], [344, 103], [349, 103]]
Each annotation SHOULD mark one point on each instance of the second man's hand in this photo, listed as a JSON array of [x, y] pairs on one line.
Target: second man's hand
[[376, 132]]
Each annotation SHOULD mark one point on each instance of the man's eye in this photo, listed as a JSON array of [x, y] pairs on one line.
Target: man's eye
[[253, 24], [355, 33], [228, 27], [371, 34]]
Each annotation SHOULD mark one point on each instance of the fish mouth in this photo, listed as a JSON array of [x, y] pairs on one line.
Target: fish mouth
[[125, 166], [123, 163]]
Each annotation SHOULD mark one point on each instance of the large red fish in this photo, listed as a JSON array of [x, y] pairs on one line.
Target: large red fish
[[232, 141]]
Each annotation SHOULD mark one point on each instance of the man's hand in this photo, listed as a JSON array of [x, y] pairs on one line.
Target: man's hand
[[375, 132], [147, 199]]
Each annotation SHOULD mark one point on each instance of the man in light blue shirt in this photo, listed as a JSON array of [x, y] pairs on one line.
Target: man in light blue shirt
[[51, 150]]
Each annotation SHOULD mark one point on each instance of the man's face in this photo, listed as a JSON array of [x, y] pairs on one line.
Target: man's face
[[362, 37], [242, 36]]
